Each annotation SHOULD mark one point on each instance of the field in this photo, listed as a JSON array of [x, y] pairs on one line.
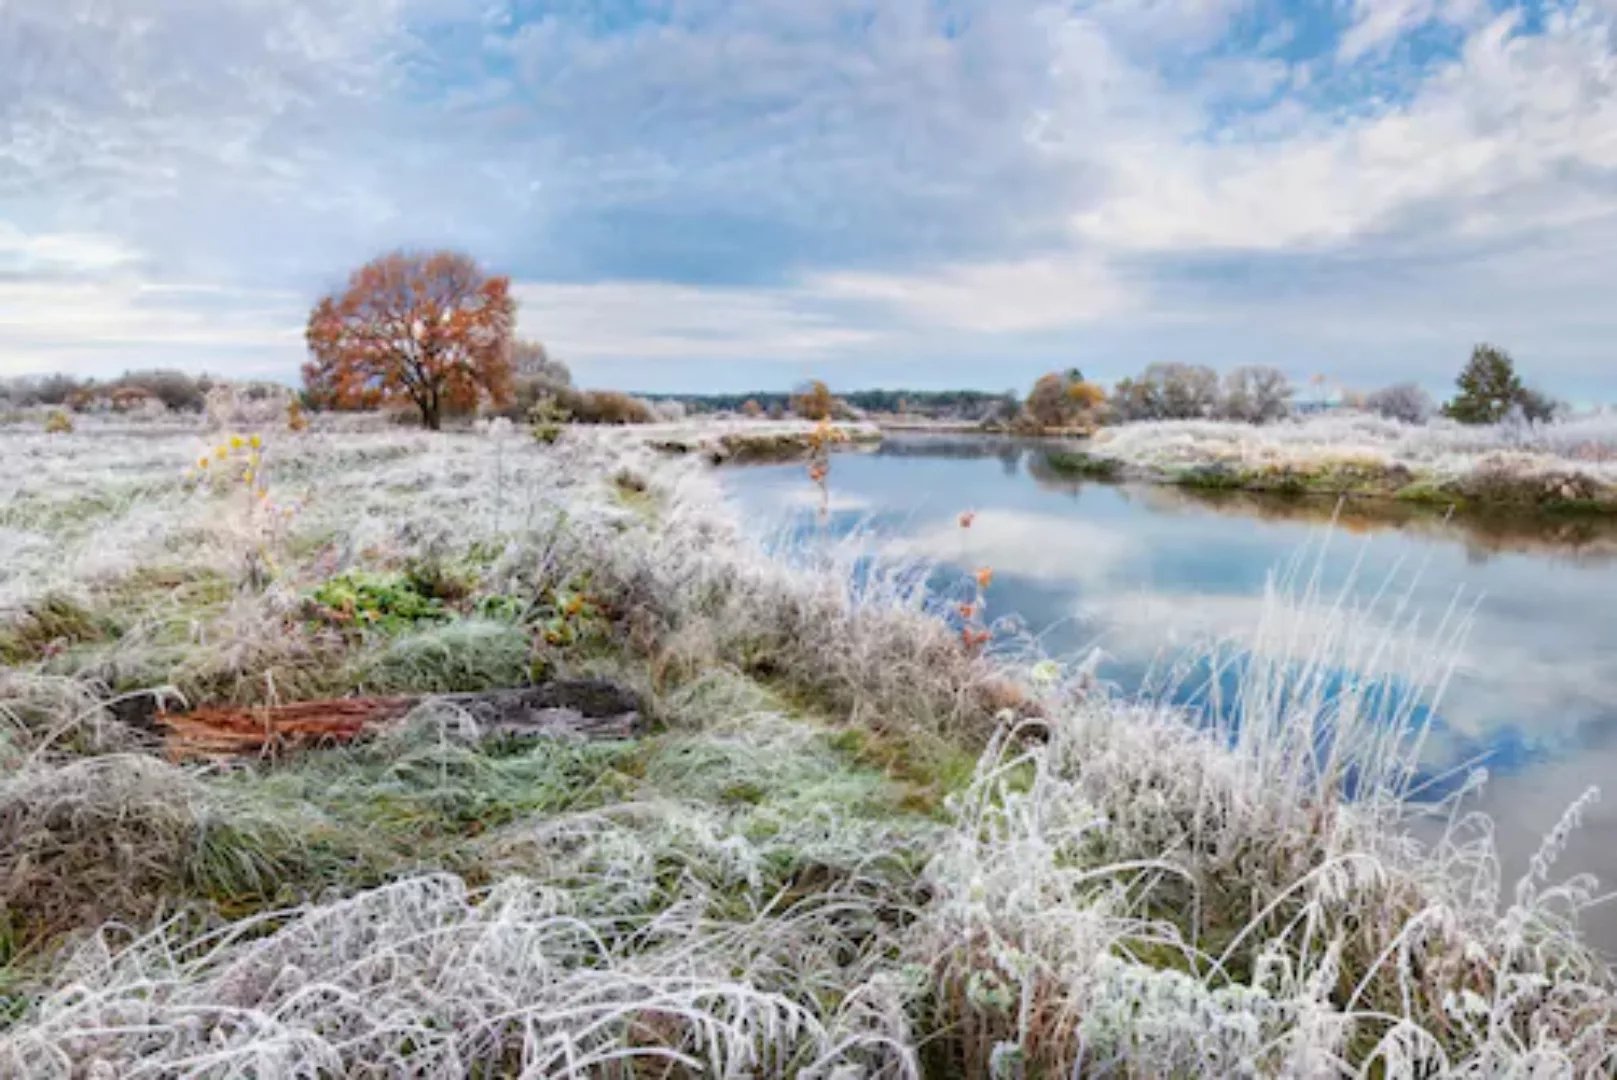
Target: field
[[1564, 467], [847, 838]]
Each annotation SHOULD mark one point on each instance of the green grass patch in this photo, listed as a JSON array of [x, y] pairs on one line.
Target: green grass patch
[[462, 656], [1081, 464], [50, 624]]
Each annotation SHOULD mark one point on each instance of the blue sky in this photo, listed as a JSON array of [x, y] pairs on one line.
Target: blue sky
[[734, 194]]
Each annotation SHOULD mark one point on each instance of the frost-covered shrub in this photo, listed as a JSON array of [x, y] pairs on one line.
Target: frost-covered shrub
[[1405, 402], [1256, 395]]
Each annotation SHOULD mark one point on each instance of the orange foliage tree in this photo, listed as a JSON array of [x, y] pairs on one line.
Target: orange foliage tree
[[432, 329], [813, 401], [1060, 400]]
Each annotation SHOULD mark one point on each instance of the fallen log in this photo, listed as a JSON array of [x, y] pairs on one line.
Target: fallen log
[[565, 709]]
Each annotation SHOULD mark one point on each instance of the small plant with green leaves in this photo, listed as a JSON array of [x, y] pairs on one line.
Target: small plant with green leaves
[[569, 615], [547, 417], [387, 603], [58, 423]]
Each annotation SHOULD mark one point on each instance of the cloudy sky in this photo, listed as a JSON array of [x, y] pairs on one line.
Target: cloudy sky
[[732, 194]]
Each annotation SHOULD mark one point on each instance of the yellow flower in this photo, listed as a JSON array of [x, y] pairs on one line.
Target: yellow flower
[[235, 442], [221, 452], [256, 442], [202, 462], [247, 477], [263, 493]]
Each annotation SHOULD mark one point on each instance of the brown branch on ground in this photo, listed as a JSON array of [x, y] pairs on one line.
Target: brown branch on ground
[[576, 709]]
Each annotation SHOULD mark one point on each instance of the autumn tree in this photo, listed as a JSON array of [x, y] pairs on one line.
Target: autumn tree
[[1063, 399], [812, 401], [431, 329], [751, 409]]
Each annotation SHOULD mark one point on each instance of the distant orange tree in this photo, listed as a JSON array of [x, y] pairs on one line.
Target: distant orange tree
[[428, 328], [813, 401], [1060, 400]]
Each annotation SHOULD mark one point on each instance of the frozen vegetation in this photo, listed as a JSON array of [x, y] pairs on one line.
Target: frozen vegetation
[[850, 843], [1563, 465]]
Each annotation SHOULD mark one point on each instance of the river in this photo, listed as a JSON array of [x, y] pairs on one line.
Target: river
[[1148, 574]]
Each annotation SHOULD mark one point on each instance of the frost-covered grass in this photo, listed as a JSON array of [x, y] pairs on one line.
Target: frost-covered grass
[[1568, 465], [848, 846]]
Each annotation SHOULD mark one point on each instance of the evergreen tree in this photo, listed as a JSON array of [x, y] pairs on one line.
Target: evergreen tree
[[1489, 386]]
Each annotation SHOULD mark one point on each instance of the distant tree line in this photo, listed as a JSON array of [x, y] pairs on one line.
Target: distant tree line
[[158, 388], [433, 334], [1489, 392], [967, 405]]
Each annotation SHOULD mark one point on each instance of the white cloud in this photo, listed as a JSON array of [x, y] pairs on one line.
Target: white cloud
[[1035, 294], [25, 253], [772, 178], [659, 320], [1045, 547], [1377, 24], [1506, 140], [106, 325], [1499, 678]]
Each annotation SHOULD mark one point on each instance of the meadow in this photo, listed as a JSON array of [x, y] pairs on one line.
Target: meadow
[[858, 834]]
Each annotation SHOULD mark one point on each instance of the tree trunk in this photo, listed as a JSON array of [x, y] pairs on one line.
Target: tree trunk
[[429, 416]]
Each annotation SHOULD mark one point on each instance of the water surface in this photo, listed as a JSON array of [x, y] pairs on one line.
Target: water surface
[[1145, 573]]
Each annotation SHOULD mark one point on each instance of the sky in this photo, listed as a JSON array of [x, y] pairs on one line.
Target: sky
[[726, 195]]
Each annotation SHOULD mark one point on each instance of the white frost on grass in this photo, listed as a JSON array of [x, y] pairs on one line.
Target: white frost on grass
[[1115, 889], [1441, 448]]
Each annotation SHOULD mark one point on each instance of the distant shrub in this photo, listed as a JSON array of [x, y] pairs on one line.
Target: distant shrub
[[1405, 402], [175, 389], [1255, 395], [607, 407], [1537, 407], [812, 401], [669, 411], [751, 409], [532, 361], [58, 423], [1168, 392]]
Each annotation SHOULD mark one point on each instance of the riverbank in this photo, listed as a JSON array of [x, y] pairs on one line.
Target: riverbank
[[1556, 470], [912, 425], [841, 837], [755, 441]]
